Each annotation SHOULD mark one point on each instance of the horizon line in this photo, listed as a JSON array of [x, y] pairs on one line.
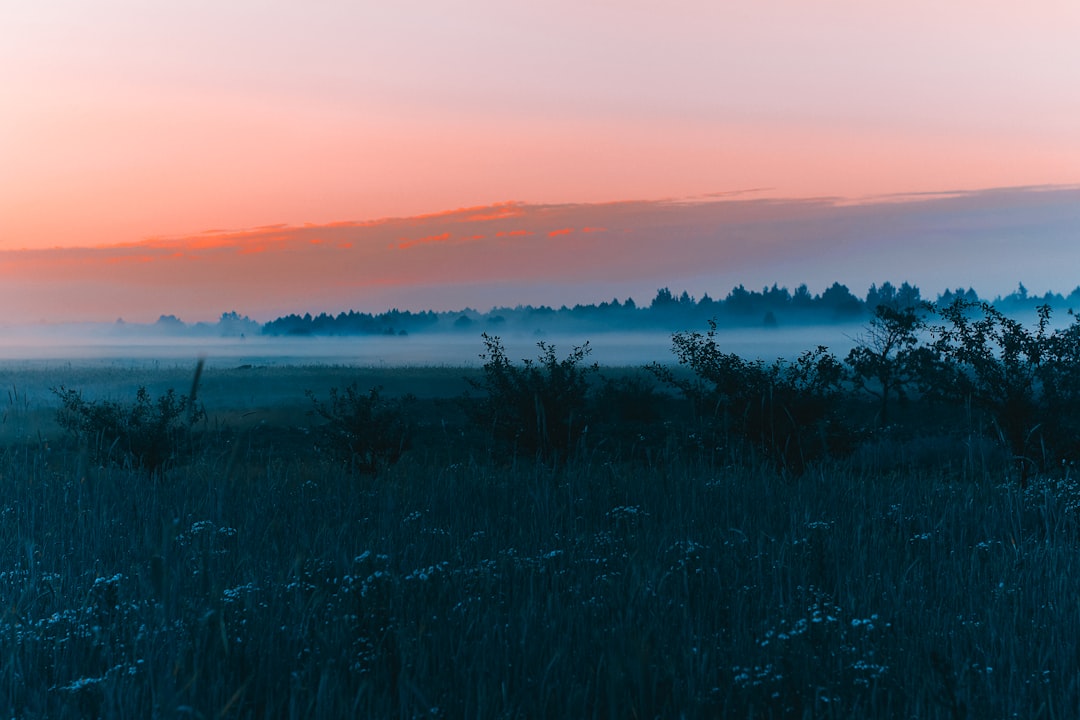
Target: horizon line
[[639, 306]]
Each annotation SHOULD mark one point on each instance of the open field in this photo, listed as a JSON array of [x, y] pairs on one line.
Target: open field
[[258, 577], [240, 397]]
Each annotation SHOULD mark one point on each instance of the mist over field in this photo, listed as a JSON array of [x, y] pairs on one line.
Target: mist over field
[[85, 344], [616, 335]]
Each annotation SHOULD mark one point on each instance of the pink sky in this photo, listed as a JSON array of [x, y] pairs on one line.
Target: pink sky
[[125, 121]]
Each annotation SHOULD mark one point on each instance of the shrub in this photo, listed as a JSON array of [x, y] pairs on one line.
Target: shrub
[[786, 409], [1024, 379], [363, 430], [796, 420], [1062, 377], [146, 434], [889, 357], [538, 408], [629, 414]]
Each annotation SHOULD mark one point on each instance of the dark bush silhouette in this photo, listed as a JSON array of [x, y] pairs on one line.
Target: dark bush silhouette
[[146, 434], [629, 415], [1063, 380], [722, 383], [1024, 379], [890, 357], [797, 421], [537, 408], [787, 409], [363, 430]]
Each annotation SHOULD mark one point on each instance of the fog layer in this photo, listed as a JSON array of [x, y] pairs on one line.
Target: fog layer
[[90, 345]]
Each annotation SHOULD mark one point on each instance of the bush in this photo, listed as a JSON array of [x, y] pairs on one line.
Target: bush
[[797, 419], [536, 408], [146, 434], [890, 358], [786, 409], [1024, 379], [363, 430], [629, 415]]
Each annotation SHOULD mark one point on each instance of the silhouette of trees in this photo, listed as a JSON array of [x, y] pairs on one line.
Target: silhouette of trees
[[840, 302], [801, 299], [889, 357], [1026, 380], [786, 409], [364, 431], [148, 433], [536, 408], [391, 322], [662, 300], [666, 310], [900, 298]]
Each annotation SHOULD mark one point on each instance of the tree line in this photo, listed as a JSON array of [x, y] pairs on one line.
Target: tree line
[[773, 306]]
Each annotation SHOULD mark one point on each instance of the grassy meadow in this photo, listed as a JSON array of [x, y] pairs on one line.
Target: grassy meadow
[[647, 574]]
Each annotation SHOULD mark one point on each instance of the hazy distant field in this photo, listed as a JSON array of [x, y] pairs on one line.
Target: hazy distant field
[[614, 348]]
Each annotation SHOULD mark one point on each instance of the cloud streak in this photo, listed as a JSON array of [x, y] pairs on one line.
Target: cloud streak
[[578, 252]]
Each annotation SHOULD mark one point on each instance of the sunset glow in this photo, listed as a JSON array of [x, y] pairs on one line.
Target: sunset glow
[[194, 158], [448, 261]]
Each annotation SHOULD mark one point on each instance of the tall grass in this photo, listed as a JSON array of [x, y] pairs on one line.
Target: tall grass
[[262, 581]]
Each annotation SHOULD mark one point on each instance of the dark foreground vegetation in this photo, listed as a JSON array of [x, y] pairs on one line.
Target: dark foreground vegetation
[[891, 534]]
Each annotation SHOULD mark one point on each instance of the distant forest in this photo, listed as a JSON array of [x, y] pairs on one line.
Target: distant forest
[[770, 307]]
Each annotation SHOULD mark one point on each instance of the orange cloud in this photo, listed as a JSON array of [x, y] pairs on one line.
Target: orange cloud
[[499, 211], [129, 259], [220, 239], [277, 270], [477, 213], [342, 224], [406, 244]]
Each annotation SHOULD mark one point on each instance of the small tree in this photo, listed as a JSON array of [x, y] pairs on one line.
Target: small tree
[[536, 408], [1061, 377], [795, 420], [1026, 380], [363, 430], [889, 358], [629, 413], [146, 434], [785, 409]]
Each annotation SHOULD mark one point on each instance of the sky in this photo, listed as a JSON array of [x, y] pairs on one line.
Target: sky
[[201, 157]]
